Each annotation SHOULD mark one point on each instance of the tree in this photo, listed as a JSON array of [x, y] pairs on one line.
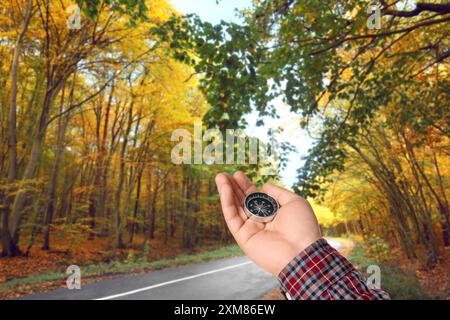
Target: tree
[[346, 80], [9, 247], [61, 50]]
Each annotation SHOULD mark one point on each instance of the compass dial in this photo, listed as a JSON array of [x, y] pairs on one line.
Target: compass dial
[[261, 206]]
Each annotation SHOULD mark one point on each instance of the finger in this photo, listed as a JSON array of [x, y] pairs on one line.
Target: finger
[[244, 183], [246, 187], [242, 213], [229, 179], [282, 195], [238, 195], [229, 209], [237, 190]]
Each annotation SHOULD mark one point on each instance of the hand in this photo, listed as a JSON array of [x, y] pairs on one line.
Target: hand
[[274, 244]]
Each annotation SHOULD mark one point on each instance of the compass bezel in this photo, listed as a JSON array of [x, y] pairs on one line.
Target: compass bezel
[[265, 196]]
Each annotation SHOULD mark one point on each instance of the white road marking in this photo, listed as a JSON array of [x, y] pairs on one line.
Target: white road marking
[[173, 281]]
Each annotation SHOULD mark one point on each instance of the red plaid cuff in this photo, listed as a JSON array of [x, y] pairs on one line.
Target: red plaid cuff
[[321, 273]]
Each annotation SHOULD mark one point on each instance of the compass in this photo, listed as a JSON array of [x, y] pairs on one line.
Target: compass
[[260, 206]]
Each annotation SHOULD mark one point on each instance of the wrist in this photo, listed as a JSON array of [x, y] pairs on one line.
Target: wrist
[[318, 266], [291, 252]]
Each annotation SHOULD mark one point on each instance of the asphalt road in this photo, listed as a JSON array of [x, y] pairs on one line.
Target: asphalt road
[[231, 279]]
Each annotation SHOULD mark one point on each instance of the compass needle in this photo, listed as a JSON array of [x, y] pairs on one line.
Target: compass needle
[[260, 206]]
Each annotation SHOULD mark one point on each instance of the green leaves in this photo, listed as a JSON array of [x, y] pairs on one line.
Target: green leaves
[[325, 63], [135, 9], [227, 58]]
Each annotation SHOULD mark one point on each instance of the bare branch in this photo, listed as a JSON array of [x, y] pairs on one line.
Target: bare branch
[[420, 7]]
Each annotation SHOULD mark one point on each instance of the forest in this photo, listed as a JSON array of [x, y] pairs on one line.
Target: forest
[[86, 121], [87, 112]]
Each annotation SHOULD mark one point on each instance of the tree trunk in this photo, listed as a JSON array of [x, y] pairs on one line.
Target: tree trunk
[[165, 209], [118, 195], [186, 208], [154, 204], [30, 170], [103, 164], [174, 211], [136, 205], [148, 204], [443, 207], [51, 194], [10, 247]]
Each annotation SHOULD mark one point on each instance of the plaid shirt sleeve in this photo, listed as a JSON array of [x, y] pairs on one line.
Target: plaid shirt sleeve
[[321, 273]]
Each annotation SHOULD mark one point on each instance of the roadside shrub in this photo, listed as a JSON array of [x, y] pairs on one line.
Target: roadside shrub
[[377, 248], [399, 284]]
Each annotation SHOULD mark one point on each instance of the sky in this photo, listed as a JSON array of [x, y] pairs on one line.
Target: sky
[[210, 11], [226, 10]]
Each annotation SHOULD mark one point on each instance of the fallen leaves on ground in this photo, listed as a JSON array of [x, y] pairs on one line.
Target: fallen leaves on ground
[[85, 252]]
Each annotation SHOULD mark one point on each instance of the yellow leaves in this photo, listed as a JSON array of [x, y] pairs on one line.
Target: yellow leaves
[[297, 9], [352, 14], [143, 97], [325, 216], [311, 17], [159, 11], [12, 34]]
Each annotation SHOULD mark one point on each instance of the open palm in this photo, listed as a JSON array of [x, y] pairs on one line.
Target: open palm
[[274, 244]]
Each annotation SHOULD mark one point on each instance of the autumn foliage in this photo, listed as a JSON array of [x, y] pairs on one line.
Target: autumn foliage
[[86, 120], [86, 116]]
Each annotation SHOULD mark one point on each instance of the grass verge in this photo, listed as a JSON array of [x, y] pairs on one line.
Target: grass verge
[[399, 284]]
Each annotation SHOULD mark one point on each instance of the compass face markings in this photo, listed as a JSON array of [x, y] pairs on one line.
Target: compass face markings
[[261, 204]]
